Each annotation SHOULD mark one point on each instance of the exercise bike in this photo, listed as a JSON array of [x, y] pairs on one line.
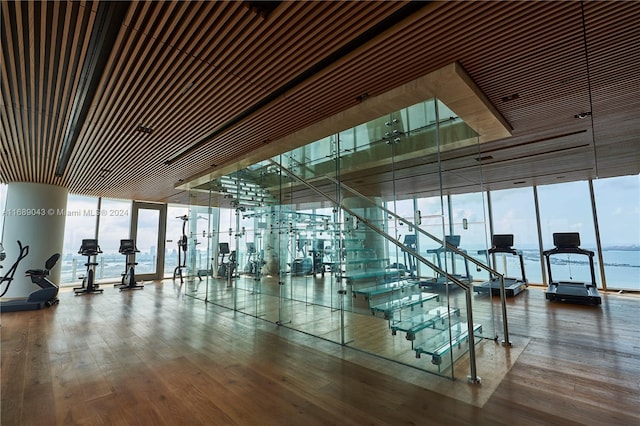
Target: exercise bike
[[46, 296], [128, 248], [89, 248]]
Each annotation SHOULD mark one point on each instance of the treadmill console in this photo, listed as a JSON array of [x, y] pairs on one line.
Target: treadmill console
[[566, 240], [453, 240], [502, 241]]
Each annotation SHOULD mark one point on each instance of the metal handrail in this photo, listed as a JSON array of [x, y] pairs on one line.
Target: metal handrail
[[473, 378], [454, 249]]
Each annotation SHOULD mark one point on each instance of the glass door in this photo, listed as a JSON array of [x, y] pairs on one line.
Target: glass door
[[148, 224]]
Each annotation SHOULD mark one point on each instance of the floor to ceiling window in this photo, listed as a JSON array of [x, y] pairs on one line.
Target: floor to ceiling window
[[115, 216], [618, 209], [80, 224], [513, 212], [564, 208]]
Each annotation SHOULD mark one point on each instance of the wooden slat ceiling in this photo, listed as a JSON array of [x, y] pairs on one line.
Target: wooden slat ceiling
[[215, 80]]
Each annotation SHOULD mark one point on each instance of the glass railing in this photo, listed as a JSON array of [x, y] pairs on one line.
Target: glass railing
[[436, 320], [305, 249]]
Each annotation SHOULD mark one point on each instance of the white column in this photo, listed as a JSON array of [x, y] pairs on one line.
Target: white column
[[35, 215]]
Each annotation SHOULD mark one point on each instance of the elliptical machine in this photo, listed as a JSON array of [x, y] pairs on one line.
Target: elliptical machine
[[46, 296], [128, 248], [182, 249], [89, 248]]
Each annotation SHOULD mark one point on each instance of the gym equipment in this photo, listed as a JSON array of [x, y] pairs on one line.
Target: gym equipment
[[317, 255], [45, 296], [89, 248], [182, 250], [226, 269], [8, 277], [410, 242], [252, 267], [503, 243], [571, 291], [302, 265], [440, 280], [128, 248]]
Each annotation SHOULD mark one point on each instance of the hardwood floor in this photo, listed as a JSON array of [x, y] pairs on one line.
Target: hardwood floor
[[155, 357]]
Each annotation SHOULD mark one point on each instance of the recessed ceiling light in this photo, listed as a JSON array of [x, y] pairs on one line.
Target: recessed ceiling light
[[583, 115], [144, 129], [510, 97]]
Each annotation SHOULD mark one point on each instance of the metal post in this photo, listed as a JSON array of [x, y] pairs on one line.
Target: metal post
[[342, 292], [473, 377], [503, 303]]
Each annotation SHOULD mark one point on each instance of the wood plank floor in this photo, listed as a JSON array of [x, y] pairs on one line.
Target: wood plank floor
[[155, 357]]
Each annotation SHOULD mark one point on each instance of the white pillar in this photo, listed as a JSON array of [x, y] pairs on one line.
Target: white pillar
[[35, 215]]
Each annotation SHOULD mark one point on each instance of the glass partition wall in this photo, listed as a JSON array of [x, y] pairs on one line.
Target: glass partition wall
[[328, 239]]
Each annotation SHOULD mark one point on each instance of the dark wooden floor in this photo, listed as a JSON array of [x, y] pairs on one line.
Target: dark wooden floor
[[154, 357]]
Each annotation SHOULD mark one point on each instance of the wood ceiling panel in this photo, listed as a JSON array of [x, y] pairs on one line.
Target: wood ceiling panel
[[187, 69]]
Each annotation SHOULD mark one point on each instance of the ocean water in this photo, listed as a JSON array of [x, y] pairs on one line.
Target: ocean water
[[622, 268]]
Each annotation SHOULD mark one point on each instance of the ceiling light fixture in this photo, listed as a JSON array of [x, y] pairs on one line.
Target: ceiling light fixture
[[144, 129], [510, 97], [583, 115]]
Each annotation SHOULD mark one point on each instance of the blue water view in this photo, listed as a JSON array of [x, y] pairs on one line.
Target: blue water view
[[621, 267]]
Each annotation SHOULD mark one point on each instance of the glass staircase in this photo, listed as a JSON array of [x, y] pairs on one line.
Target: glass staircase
[[362, 240]]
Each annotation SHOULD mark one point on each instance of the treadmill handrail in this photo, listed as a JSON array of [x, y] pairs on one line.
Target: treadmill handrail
[[568, 250], [493, 250]]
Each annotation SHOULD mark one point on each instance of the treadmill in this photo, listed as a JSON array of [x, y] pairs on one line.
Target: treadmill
[[441, 252], [503, 243], [571, 291]]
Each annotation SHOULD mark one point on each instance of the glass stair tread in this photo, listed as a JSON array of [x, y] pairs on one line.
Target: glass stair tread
[[439, 345], [368, 274], [365, 260], [424, 320], [383, 288], [404, 302]]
